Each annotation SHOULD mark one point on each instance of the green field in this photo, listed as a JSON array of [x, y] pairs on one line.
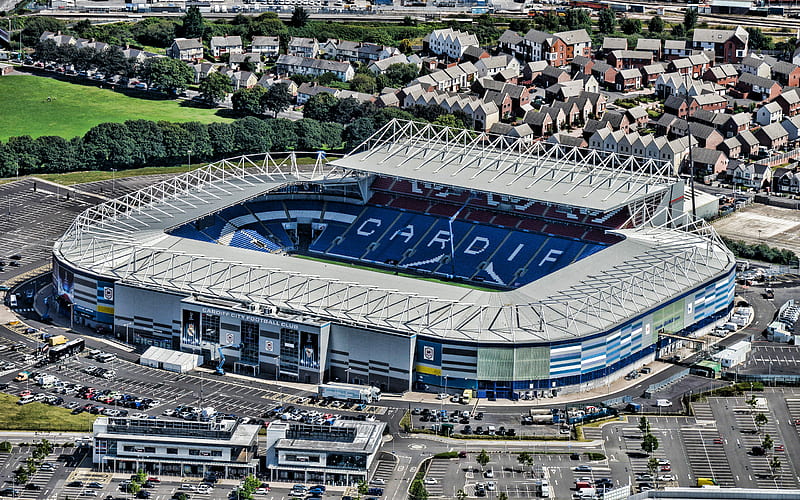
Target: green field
[[40, 417], [74, 108], [388, 271]]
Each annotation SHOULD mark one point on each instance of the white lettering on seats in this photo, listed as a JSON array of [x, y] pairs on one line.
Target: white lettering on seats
[[407, 231], [515, 252], [551, 256], [474, 249], [442, 237], [361, 231]]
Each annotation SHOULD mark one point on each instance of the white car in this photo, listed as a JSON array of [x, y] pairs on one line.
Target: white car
[[491, 486], [262, 491], [378, 481], [441, 395], [188, 487], [666, 477], [488, 473], [429, 480]]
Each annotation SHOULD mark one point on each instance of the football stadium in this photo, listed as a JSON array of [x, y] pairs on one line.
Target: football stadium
[[427, 259]]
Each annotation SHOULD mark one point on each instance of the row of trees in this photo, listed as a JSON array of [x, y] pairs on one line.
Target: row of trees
[[39, 452], [761, 252], [136, 143]]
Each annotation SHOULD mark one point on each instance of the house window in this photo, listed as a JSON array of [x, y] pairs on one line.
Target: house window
[[172, 451]]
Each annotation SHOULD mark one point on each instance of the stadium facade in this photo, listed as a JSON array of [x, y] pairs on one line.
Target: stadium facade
[[427, 258]]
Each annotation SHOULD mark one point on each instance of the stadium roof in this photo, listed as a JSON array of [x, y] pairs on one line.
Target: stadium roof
[[544, 171], [125, 240]]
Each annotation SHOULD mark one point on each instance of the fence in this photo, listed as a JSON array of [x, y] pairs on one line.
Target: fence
[[766, 379], [617, 401], [779, 158], [654, 388]]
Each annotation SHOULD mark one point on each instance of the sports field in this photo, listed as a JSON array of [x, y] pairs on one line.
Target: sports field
[[74, 108]]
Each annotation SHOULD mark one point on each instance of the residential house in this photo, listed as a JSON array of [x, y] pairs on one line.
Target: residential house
[[735, 124], [611, 44], [731, 147], [617, 120], [290, 65], [552, 75], [605, 74], [652, 45], [792, 127], [490, 66], [475, 53], [237, 59], [388, 98], [220, 45], [786, 73], [482, 114], [57, 38], [772, 136], [450, 79], [266, 46], [243, 80], [540, 123], [710, 118], [676, 49], [558, 49], [268, 81], [755, 65], [708, 161], [722, 74], [789, 101], [303, 47], [627, 80], [308, 90], [769, 113], [581, 65], [729, 46], [638, 116], [694, 65], [186, 49], [449, 42], [750, 175], [757, 88], [568, 140], [382, 66], [750, 143], [202, 70], [519, 95], [514, 132], [665, 123], [651, 72], [532, 70], [627, 59], [786, 180]]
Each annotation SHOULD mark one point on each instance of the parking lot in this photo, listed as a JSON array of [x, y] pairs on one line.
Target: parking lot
[[772, 358], [479, 421]]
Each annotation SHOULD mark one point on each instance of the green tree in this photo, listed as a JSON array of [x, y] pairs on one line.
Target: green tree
[[46, 50], [248, 101], [630, 26], [758, 40], [502, 496], [690, 18], [551, 21], [179, 495], [678, 31], [649, 443], [36, 25], [362, 487], [578, 18], [85, 58], [525, 459], [775, 464], [417, 491], [483, 458], [461, 494], [6, 447], [760, 420], [251, 135], [357, 132], [170, 75], [347, 110], [282, 134], [250, 484], [21, 475], [399, 74], [30, 465], [644, 425], [149, 139], [751, 402], [112, 61], [277, 98], [606, 20], [321, 107], [363, 83], [327, 78], [193, 25], [448, 120], [222, 139], [652, 465], [215, 87], [655, 25], [109, 145], [767, 442], [300, 17]]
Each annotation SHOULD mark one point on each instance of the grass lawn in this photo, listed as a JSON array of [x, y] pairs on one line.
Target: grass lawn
[[40, 417], [387, 271], [75, 107]]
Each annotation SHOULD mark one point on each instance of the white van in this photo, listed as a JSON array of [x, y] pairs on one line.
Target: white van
[[12, 300], [30, 398], [492, 430], [663, 402]]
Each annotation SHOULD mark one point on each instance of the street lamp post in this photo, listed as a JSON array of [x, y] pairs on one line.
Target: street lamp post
[[113, 180], [347, 371], [189, 153]]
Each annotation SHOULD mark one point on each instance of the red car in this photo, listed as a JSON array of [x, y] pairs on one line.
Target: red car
[[718, 441], [779, 447], [24, 393], [666, 468], [154, 479]]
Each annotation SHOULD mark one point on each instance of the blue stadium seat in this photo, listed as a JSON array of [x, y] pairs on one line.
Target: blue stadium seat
[[373, 223], [188, 231], [214, 231], [279, 233], [324, 240], [343, 208], [251, 240], [233, 212], [434, 247]]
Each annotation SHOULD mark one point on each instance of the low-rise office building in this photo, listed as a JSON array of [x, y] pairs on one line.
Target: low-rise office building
[[176, 448], [339, 454]]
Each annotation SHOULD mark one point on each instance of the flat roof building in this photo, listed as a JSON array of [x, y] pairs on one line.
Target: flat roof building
[[176, 448], [339, 454]]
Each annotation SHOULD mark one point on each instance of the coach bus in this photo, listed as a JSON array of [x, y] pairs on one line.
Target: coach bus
[[71, 348]]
